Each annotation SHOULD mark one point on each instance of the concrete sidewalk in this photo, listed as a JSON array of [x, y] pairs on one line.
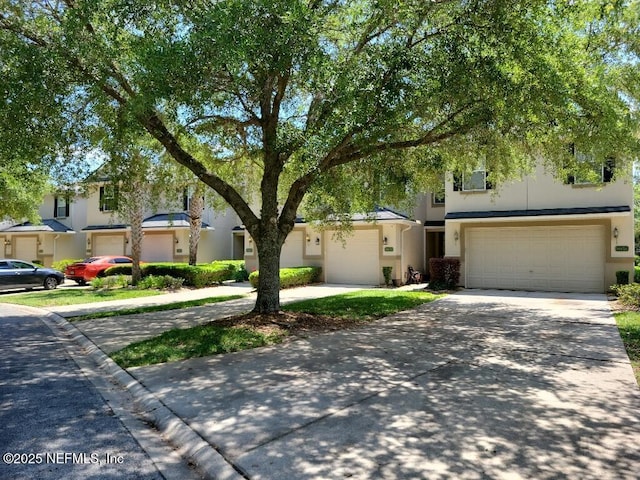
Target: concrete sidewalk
[[480, 384], [111, 334]]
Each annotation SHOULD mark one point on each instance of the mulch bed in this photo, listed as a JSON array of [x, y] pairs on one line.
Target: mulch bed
[[294, 324]]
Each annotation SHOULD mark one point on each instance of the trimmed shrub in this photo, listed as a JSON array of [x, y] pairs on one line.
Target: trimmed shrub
[[291, 277], [197, 276], [628, 295], [622, 277], [386, 273], [64, 263], [162, 282], [239, 270], [444, 273], [636, 274], [115, 281]]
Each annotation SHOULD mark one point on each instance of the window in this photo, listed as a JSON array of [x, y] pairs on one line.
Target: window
[[108, 198], [590, 171], [61, 207], [186, 200], [475, 181], [437, 199]]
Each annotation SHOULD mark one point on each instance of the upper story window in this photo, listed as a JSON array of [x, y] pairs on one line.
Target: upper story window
[[590, 171], [474, 181], [108, 198], [60, 207], [437, 199], [186, 200]]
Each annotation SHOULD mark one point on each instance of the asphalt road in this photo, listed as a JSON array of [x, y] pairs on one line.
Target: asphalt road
[[54, 423]]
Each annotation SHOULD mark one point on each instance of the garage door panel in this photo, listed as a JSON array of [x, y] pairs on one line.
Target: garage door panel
[[292, 251], [563, 258], [157, 247], [108, 245], [357, 262]]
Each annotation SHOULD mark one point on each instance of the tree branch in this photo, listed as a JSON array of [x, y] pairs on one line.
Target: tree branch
[[154, 125]]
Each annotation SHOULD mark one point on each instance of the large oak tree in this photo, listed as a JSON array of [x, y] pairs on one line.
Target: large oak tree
[[341, 103]]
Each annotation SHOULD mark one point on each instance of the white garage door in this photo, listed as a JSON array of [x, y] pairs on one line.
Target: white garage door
[[357, 262], [560, 259], [291, 255], [157, 248], [108, 245], [26, 248]]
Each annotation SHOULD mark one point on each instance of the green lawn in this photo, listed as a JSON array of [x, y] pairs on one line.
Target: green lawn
[[363, 304], [629, 327], [156, 308], [212, 339], [69, 296], [179, 344]]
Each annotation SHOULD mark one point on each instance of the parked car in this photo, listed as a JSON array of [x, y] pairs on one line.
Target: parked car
[[92, 267], [20, 274]]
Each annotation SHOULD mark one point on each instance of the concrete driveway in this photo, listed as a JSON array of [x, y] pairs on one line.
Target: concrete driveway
[[481, 384]]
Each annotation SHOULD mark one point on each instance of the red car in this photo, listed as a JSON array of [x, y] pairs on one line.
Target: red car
[[90, 268]]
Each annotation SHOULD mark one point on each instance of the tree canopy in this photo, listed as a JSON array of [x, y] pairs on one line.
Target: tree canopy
[[344, 103]]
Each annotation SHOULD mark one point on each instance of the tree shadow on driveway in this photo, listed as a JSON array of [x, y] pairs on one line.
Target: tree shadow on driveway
[[471, 386]]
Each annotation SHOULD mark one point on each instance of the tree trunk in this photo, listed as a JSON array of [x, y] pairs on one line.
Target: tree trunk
[[137, 215], [196, 207], [269, 246]]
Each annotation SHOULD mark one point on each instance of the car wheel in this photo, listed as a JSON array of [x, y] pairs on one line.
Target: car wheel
[[50, 283], [82, 282]]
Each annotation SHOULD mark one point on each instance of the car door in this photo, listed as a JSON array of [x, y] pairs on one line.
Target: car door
[[6, 273], [24, 275]]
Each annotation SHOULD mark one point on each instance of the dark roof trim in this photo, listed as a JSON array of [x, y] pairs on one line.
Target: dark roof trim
[[169, 220], [47, 225], [434, 223], [119, 226], [537, 212]]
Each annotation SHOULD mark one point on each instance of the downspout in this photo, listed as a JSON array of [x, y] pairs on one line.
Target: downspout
[[55, 247]]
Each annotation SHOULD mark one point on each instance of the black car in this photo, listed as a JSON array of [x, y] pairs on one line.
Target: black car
[[21, 274]]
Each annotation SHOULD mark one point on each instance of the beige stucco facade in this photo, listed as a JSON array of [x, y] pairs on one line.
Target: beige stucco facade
[[541, 203]]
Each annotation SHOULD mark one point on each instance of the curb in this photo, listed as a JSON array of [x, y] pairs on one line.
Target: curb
[[187, 442]]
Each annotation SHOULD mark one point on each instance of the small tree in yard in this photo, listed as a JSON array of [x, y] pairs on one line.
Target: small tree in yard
[[343, 104]]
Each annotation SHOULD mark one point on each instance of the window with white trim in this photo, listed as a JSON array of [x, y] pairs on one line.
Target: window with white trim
[[474, 181], [108, 198], [60, 206], [590, 171]]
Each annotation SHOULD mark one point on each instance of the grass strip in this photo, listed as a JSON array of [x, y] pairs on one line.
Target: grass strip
[[200, 341], [210, 339], [154, 308], [363, 304], [67, 296], [629, 328]]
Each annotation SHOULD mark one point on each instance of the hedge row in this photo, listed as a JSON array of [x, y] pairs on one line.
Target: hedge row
[[194, 276], [292, 277]]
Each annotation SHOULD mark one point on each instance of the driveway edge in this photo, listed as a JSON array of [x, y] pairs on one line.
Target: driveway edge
[[187, 442]]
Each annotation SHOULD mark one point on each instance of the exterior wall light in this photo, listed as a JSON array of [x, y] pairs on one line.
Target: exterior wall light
[[615, 232], [456, 236], [7, 243], [308, 238], [317, 240], [385, 241]]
